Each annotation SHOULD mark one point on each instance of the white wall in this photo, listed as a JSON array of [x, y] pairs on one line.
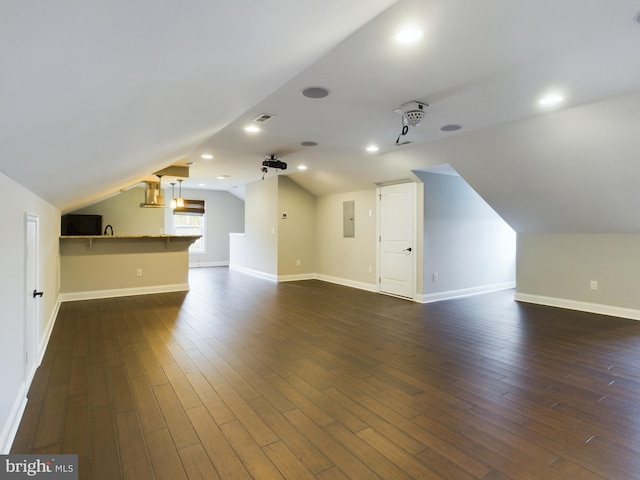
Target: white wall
[[347, 260], [466, 243], [470, 247], [123, 213], [296, 230], [311, 233], [557, 269], [260, 243], [13, 294]]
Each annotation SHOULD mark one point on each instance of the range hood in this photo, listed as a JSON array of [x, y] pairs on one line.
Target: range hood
[[153, 197]]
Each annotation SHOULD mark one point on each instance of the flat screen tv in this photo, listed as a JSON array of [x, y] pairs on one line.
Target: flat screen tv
[[73, 224]]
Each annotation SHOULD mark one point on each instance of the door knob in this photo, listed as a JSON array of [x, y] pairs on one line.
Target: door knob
[[407, 249], [37, 294]]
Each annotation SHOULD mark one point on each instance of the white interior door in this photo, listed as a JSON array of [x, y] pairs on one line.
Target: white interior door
[[397, 237], [32, 296]]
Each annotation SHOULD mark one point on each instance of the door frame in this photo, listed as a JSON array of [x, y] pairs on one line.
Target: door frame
[[31, 325], [417, 193]]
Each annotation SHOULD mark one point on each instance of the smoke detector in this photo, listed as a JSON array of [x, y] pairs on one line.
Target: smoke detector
[[412, 113]]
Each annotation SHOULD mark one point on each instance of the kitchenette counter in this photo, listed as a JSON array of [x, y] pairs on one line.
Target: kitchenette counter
[[130, 236], [166, 238], [100, 266]]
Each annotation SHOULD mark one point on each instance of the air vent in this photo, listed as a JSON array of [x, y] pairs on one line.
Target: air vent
[[264, 117]]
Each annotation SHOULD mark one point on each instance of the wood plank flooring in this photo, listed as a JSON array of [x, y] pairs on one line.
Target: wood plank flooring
[[244, 378]]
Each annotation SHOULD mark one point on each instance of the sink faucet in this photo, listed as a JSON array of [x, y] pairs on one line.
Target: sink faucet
[[106, 228]]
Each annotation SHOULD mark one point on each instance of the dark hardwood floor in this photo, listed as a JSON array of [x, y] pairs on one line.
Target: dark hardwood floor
[[244, 378]]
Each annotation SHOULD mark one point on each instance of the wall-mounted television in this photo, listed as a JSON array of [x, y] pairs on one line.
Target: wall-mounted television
[[73, 224]]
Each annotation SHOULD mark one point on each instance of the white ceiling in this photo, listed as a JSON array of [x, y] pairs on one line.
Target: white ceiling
[[95, 96]]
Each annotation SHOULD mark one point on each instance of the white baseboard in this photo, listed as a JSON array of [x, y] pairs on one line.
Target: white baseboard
[[208, 264], [370, 287], [464, 292], [610, 310], [8, 434], [123, 292], [10, 429], [305, 276], [46, 335], [298, 277], [254, 273]]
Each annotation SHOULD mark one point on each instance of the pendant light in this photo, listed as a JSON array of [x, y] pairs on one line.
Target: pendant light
[[173, 203], [180, 200]]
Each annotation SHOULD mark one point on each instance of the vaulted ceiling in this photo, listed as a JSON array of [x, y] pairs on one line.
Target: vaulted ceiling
[[96, 96]]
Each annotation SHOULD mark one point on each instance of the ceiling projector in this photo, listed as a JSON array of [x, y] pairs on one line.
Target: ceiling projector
[[273, 162]]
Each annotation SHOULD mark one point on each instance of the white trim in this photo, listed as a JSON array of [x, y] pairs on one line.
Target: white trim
[[32, 218], [370, 287], [123, 292], [10, 428], [415, 245], [297, 277], [464, 292], [610, 310], [44, 340], [208, 264], [254, 273]]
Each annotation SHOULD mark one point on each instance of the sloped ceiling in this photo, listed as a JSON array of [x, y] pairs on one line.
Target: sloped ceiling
[[96, 96]]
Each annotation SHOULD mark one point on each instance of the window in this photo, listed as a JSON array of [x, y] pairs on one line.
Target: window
[[191, 224]]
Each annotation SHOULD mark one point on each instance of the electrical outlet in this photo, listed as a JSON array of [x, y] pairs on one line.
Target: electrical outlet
[[298, 262], [434, 277], [370, 269], [594, 284], [138, 272]]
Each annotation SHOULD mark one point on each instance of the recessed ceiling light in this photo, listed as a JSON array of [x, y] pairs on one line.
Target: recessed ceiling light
[[550, 99], [372, 148], [302, 167], [222, 177], [315, 92], [408, 35], [451, 127], [206, 156], [201, 184], [251, 129]]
